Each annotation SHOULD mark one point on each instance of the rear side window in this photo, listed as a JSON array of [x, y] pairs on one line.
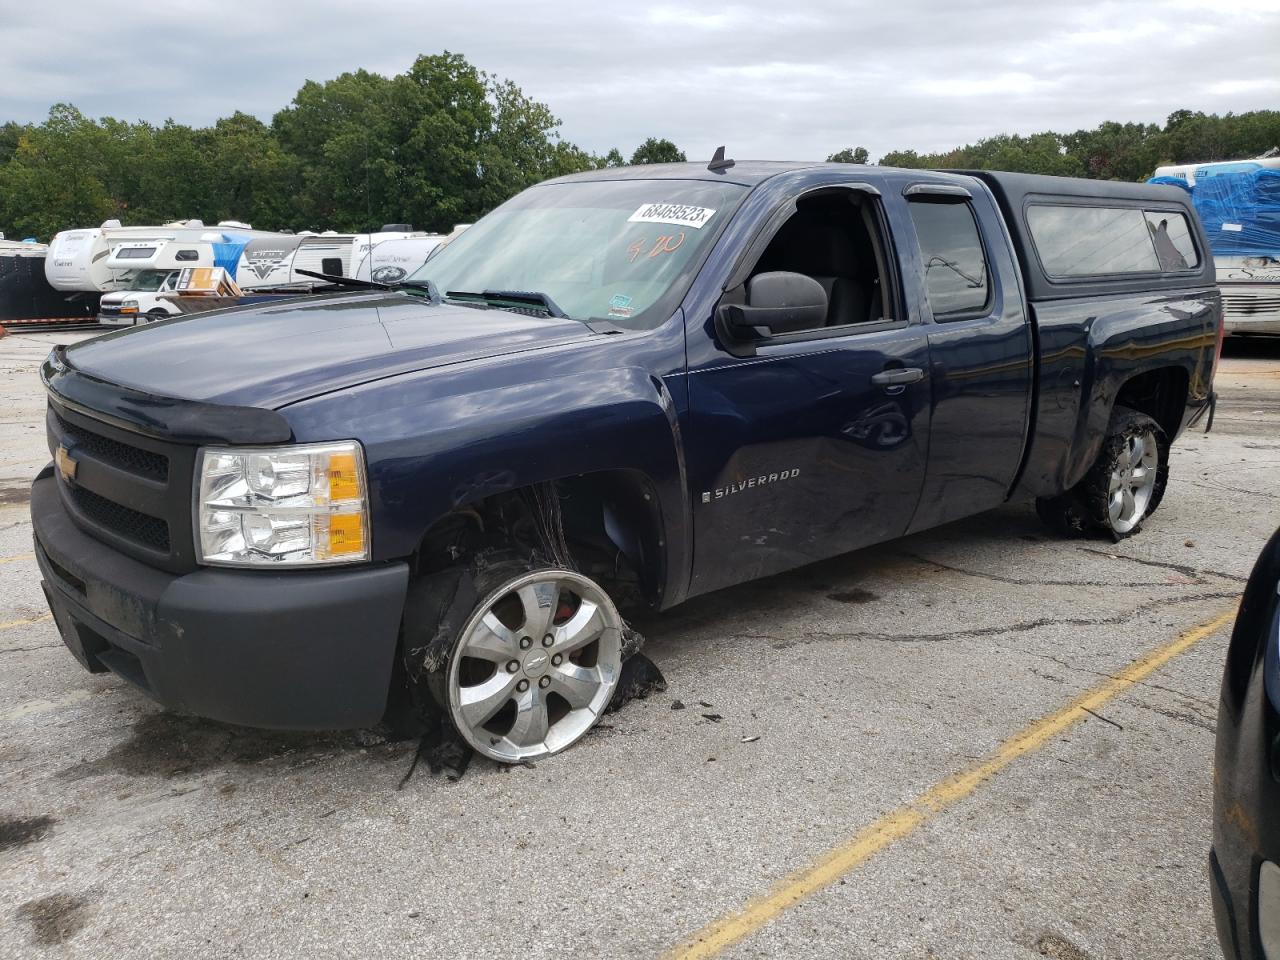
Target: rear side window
[[955, 264], [1089, 241]]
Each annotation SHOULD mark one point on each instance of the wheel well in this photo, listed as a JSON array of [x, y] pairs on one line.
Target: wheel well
[[1160, 394], [609, 523]]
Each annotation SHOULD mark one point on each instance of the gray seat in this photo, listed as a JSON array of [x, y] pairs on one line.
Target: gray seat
[[845, 301]]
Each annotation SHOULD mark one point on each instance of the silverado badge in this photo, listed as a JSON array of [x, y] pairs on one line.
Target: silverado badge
[[66, 463]]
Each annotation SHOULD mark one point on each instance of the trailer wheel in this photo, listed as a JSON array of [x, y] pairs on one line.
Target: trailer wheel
[[1123, 487], [523, 656]]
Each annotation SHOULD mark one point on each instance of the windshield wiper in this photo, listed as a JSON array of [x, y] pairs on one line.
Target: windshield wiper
[[425, 285], [532, 298]]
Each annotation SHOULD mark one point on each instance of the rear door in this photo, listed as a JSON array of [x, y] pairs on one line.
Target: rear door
[[980, 348], [811, 444]]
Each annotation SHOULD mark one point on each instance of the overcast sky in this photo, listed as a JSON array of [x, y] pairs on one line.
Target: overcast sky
[[772, 79]]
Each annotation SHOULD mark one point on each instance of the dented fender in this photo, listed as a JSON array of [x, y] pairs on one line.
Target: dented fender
[[441, 440]]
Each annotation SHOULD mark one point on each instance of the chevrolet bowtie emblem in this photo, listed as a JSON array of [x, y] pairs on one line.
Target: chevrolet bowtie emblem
[[66, 463]]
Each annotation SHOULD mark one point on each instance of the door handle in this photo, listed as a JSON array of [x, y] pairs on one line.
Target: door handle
[[897, 376]]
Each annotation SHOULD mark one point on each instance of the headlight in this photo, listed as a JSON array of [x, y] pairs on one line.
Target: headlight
[[297, 505], [129, 306]]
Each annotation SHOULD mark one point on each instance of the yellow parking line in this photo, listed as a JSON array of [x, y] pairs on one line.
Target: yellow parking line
[[23, 623], [721, 934], [16, 557]]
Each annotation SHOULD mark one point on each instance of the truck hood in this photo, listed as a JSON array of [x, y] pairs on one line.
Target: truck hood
[[271, 355]]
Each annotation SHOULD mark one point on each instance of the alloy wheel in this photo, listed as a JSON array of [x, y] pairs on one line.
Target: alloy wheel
[[535, 665], [1133, 479]]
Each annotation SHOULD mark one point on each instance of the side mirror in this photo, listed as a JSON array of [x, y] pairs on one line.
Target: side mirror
[[779, 302]]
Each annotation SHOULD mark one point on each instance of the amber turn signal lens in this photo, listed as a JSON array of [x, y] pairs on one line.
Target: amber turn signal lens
[[345, 534], [344, 478]]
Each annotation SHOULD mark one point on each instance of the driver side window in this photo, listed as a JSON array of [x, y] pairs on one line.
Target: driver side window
[[833, 237]]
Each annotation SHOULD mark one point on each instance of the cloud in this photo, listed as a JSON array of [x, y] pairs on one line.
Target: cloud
[[794, 81]]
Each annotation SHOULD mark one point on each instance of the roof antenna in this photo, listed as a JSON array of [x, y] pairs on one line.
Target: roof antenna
[[718, 163]]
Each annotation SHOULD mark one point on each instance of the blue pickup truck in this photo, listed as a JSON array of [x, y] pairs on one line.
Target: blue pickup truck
[[618, 390]]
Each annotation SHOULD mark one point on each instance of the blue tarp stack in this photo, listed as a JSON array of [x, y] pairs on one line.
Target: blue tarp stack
[[1239, 206]]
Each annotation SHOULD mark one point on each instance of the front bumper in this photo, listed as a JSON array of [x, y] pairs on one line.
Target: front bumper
[[116, 319], [292, 650], [1251, 308], [1247, 327]]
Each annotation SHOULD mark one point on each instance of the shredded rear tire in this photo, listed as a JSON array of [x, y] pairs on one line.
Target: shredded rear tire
[[1123, 487]]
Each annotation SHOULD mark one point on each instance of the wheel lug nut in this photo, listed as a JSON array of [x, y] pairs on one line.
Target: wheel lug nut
[[548, 640], [544, 682], [557, 660], [513, 666], [522, 686], [525, 643]]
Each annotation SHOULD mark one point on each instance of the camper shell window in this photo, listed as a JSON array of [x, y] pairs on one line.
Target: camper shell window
[[1080, 240], [1172, 237]]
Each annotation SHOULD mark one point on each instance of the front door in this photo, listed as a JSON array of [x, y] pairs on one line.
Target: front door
[[814, 443]]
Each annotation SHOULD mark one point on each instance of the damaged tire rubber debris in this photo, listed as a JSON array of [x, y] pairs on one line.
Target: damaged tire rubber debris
[[1123, 487], [514, 656]]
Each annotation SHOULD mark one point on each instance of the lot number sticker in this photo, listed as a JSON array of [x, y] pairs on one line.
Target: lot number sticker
[[678, 214]]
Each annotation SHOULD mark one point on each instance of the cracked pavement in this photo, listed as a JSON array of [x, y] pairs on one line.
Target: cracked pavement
[[129, 832]]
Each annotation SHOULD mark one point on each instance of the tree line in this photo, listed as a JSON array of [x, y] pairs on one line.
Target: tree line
[[441, 144], [1111, 151]]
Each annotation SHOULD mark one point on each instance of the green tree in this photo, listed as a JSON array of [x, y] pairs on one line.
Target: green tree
[[654, 150], [342, 135], [849, 155], [54, 176], [1114, 151], [10, 134], [440, 144], [903, 158]]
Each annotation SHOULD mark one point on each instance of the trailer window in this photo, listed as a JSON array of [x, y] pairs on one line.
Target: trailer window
[[134, 253], [955, 264], [1088, 241]]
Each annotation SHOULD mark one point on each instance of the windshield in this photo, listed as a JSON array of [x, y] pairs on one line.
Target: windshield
[[142, 281], [622, 251]]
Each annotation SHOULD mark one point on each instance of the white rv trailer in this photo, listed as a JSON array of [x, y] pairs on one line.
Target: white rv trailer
[[1244, 235], [1187, 172], [384, 256], [268, 261], [327, 252], [389, 257], [77, 259], [126, 259]]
